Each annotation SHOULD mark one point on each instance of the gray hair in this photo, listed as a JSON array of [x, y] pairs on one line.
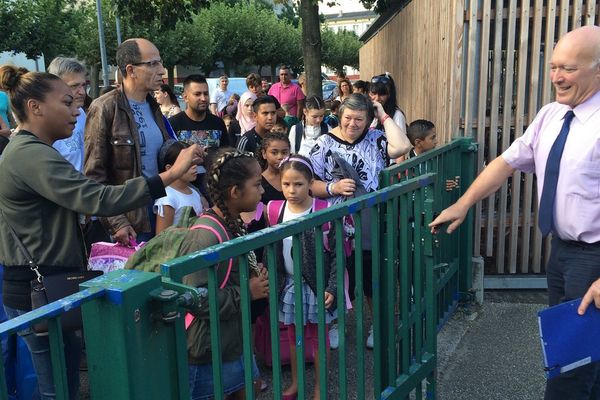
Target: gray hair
[[62, 66], [358, 102], [128, 52]]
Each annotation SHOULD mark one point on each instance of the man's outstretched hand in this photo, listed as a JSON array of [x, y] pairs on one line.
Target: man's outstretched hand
[[455, 214]]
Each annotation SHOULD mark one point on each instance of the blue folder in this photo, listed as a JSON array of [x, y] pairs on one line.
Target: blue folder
[[569, 340]]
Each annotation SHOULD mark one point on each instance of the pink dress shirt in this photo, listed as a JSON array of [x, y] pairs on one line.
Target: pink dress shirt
[[577, 204], [289, 95]]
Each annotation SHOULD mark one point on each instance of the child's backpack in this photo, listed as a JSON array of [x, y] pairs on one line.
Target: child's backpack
[[262, 342], [167, 244], [299, 133], [275, 208]]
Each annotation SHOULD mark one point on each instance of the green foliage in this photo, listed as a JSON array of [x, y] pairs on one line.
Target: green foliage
[[187, 32], [249, 34], [86, 41], [188, 43], [290, 13], [37, 27], [339, 49], [166, 12], [379, 6]]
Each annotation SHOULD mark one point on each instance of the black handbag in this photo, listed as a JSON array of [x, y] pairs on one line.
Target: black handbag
[[45, 290], [55, 287]]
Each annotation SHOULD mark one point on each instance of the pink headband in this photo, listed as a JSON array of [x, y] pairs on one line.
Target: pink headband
[[297, 159]]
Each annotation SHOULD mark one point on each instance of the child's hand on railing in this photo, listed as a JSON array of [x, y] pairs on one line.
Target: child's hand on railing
[[259, 287], [329, 300], [264, 272]]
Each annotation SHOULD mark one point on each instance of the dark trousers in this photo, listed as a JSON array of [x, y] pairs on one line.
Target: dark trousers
[[367, 275], [571, 269]]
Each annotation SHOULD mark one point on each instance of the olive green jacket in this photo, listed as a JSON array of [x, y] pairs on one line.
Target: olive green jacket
[[229, 304], [41, 195]]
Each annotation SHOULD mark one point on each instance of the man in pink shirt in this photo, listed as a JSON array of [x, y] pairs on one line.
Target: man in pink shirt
[[287, 92], [562, 147]]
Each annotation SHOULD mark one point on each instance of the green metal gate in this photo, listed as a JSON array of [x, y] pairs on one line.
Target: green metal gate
[[425, 275], [133, 321]]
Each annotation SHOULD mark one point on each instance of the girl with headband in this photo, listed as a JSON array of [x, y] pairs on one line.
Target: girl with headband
[[234, 183], [296, 179]]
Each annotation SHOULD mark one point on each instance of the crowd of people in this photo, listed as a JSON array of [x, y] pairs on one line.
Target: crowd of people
[[124, 169]]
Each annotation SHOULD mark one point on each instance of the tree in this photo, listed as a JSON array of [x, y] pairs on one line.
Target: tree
[[379, 6], [249, 34], [186, 44], [37, 27], [167, 12], [86, 40], [290, 13], [234, 31], [339, 49], [311, 37], [311, 45], [277, 42]]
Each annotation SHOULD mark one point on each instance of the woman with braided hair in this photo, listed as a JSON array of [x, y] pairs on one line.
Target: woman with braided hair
[[234, 183]]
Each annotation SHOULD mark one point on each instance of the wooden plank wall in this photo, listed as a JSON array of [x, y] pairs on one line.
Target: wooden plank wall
[[422, 49], [515, 38], [482, 72]]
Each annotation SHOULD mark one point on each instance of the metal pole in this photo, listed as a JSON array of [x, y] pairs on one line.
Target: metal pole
[[118, 21], [105, 74]]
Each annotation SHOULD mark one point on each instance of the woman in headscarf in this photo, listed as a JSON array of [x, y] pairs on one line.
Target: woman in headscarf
[[244, 118]]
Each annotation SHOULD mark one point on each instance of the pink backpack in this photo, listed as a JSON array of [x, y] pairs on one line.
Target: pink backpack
[[275, 209], [189, 318]]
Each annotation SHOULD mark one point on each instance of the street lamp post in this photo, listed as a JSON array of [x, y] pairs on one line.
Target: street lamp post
[[118, 22], [105, 74]]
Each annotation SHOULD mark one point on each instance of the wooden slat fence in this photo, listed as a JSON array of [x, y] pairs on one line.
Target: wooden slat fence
[[509, 72], [482, 72], [421, 47]]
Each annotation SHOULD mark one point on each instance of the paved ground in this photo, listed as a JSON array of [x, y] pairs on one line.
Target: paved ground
[[333, 382], [485, 353], [493, 352]]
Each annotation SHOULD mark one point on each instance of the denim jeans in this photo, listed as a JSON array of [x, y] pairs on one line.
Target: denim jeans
[[201, 378], [40, 355], [572, 268]]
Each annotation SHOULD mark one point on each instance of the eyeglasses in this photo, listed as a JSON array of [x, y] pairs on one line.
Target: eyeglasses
[[381, 79], [151, 64]]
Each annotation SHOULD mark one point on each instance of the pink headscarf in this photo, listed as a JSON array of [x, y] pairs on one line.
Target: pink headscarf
[[246, 123]]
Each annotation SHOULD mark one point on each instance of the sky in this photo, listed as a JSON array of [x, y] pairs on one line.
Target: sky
[[344, 5]]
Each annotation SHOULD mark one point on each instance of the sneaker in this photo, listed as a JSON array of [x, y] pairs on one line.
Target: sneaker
[[260, 385], [370, 338], [263, 385], [334, 337]]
